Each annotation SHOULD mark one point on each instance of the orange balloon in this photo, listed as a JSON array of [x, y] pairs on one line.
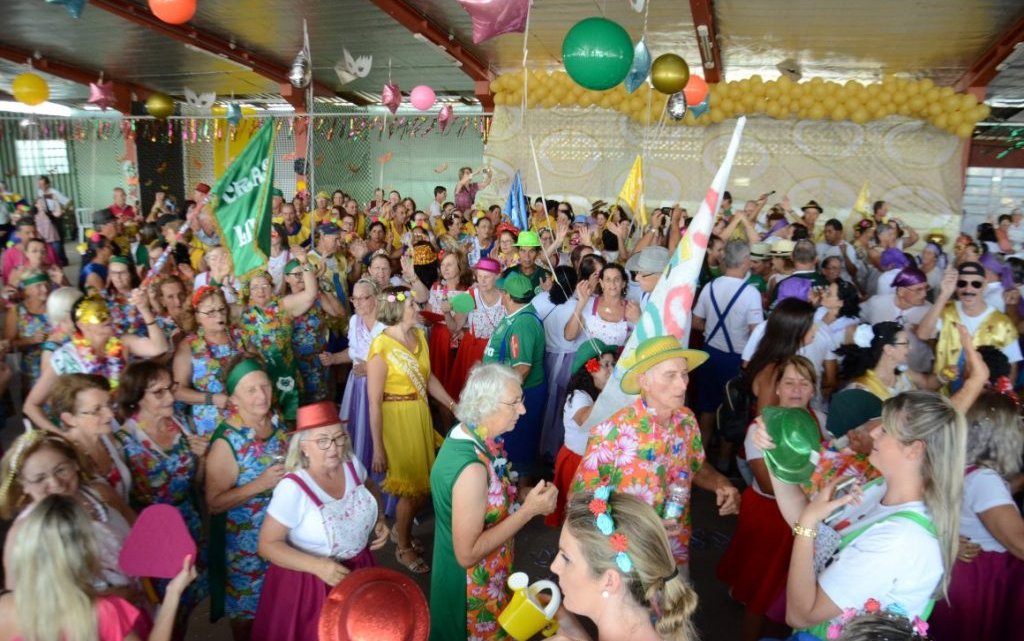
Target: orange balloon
[[695, 90], [173, 11]]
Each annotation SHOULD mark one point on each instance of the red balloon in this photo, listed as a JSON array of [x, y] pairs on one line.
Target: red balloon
[[173, 11], [695, 90]]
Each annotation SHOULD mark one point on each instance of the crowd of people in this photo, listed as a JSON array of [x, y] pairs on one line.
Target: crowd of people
[[392, 357]]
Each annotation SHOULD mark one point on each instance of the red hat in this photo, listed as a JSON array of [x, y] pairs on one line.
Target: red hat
[[317, 415], [203, 188]]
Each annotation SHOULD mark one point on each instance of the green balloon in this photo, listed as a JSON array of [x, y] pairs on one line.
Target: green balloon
[[597, 53]]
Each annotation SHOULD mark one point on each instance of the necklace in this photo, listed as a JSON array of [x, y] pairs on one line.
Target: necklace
[[494, 449], [110, 365]]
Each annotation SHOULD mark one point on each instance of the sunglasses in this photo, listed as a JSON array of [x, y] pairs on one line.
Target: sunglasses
[[973, 284]]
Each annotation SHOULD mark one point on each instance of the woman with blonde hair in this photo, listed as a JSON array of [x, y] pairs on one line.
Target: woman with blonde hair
[[322, 522], [986, 591], [615, 567], [398, 385], [41, 464], [895, 540], [53, 563]]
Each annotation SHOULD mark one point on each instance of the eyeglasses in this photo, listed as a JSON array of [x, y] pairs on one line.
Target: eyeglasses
[[900, 343], [63, 472], [513, 403], [356, 298], [563, 211], [260, 288], [325, 443], [163, 391], [215, 310], [974, 284]]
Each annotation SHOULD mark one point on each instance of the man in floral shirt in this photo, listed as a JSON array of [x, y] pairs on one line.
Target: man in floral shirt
[[646, 447]]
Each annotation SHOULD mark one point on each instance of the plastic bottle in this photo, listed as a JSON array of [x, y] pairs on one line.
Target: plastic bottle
[[678, 497]]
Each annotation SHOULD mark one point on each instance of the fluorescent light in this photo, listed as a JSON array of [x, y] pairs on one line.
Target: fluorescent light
[[45, 109], [222, 58], [997, 179], [279, 107], [440, 49]]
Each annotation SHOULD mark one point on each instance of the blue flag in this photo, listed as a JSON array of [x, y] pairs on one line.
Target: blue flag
[[515, 204]]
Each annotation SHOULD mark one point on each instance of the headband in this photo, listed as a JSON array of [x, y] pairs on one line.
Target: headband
[[290, 265], [91, 310], [34, 279], [201, 293], [601, 508], [120, 260], [29, 438], [240, 371]]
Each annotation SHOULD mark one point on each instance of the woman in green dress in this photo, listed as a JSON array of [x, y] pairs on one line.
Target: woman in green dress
[[266, 325], [474, 494]]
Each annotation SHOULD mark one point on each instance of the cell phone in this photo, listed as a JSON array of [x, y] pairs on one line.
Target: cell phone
[[845, 487]]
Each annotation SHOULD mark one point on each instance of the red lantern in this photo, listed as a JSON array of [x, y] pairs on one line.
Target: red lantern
[[695, 90], [173, 11]]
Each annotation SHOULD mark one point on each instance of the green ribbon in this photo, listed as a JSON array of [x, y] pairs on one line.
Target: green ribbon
[[34, 279], [240, 371], [120, 260], [290, 265]]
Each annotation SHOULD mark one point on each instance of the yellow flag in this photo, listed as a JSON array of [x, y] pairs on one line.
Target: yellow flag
[[632, 195], [863, 204]]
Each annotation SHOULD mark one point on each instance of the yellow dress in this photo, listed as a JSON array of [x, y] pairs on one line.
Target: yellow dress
[[410, 441]]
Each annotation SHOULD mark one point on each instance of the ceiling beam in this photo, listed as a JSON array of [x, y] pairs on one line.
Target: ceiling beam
[[704, 19], [122, 90], [984, 68], [407, 16], [188, 34]]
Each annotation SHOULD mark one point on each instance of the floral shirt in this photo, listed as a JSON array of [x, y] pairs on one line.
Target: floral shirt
[[126, 318], [208, 375], [632, 453], [30, 324]]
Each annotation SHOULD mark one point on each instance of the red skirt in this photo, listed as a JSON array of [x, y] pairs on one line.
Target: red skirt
[[986, 598], [756, 565], [290, 602], [566, 464], [470, 352]]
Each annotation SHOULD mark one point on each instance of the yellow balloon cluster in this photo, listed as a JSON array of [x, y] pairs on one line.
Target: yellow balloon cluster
[[815, 99]]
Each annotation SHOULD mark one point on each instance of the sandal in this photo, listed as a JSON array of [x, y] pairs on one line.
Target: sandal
[[416, 566], [416, 543]]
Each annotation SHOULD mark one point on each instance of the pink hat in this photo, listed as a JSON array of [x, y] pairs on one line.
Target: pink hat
[[488, 265]]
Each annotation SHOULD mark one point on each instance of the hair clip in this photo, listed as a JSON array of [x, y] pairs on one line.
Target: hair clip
[[602, 509], [593, 366]]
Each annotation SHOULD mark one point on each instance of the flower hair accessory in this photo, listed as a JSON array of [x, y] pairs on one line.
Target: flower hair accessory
[[593, 366], [864, 335], [602, 509], [873, 608], [400, 297]]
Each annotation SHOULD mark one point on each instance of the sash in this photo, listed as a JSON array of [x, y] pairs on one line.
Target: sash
[[873, 384], [405, 362]]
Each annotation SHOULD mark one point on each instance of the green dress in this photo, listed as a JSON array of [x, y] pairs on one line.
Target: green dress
[[465, 602]]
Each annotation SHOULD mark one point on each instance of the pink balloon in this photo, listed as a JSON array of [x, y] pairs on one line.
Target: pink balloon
[[495, 17], [444, 117], [391, 96], [422, 97]]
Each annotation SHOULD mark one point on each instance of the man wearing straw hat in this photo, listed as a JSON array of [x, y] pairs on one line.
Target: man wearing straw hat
[[654, 444]]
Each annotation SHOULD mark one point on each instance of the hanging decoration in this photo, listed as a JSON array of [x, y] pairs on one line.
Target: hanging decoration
[[234, 114], [200, 101], [159, 105], [74, 7], [496, 17], [815, 99], [597, 53], [101, 93], [696, 90], [676, 106], [391, 96], [444, 116], [173, 11], [670, 73], [301, 71], [422, 97], [351, 68], [640, 68], [30, 89], [637, 5]]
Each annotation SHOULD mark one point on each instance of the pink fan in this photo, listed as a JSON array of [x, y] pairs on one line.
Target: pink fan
[[157, 545]]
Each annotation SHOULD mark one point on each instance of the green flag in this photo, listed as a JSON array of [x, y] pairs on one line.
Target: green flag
[[242, 204]]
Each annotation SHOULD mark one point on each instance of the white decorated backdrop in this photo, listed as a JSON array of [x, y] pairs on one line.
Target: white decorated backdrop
[[585, 155]]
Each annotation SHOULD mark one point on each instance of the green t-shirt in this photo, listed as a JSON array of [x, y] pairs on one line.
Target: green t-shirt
[[535, 277], [759, 283], [519, 340]]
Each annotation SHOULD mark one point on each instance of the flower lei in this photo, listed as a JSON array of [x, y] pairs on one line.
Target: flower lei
[[602, 509], [113, 357], [874, 607], [495, 450]]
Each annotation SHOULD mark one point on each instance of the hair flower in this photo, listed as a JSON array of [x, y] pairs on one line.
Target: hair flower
[[593, 366], [835, 631], [598, 507], [605, 524], [872, 606], [920, 626], [619, 542], [623, 561], [602, 493], [864, 335]]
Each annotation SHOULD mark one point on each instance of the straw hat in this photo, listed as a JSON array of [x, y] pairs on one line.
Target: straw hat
[[654, 351]]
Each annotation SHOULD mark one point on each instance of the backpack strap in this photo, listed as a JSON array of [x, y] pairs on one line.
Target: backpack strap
[[305, 488], [720, 324]]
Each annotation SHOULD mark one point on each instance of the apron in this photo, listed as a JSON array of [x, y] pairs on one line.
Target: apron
[[349, 520]]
